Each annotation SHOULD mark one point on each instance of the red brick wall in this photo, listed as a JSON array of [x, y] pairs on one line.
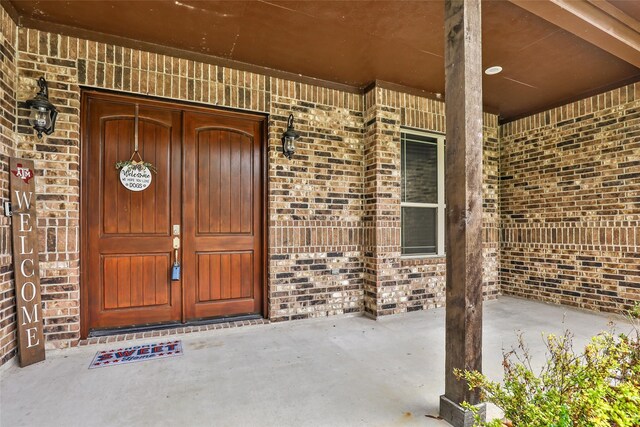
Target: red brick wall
[[570, 203], [315, 203], [8, 38], [381, 204], [396, 284], [57, 177]]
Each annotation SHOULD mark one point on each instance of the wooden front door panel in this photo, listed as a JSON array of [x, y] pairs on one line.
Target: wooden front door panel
[[222, 215], [208, 183], [128, 233]]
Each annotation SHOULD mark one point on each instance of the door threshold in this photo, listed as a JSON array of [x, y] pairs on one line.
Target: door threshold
[[96, 333]]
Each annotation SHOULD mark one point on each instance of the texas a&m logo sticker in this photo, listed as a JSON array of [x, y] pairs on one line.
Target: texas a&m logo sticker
[[23, 173]]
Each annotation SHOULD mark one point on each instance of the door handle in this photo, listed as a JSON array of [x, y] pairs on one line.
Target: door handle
[[175, 269]]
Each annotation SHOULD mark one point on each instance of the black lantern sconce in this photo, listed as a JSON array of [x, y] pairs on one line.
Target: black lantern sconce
[[43, 113], [289, 138]]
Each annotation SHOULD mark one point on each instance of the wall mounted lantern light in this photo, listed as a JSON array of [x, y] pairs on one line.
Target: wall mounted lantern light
[[43, 113], [289, 138]]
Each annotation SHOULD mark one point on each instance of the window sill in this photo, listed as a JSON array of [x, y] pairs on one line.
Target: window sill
[[421, 259]]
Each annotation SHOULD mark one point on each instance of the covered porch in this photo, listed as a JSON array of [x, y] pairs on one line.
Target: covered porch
[[306, 165]]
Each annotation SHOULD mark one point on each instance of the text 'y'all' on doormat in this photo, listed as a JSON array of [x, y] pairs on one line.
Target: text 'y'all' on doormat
[[136, 353]]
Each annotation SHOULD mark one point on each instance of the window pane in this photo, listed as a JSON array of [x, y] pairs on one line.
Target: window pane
[[420, 169], [419, 230]]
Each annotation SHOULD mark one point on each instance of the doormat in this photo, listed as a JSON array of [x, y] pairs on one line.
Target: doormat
[[137, 353]]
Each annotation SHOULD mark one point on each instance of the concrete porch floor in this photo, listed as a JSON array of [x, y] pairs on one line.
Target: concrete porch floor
[[339, 371]]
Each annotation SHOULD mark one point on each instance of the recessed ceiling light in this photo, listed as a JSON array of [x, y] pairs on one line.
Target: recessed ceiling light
[[493, 70]]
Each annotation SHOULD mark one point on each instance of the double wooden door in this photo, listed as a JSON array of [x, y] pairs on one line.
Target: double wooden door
[[206, 192]]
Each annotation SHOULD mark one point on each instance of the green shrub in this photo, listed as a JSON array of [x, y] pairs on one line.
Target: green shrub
[[599, 387]]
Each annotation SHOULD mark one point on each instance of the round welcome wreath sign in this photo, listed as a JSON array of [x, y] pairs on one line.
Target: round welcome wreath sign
[[135, 176]]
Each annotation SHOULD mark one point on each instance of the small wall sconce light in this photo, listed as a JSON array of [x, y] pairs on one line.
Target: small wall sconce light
[[289, 138], [43, 113]]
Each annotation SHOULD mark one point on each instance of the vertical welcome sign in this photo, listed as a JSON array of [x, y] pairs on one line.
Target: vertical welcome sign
[[25, 261]]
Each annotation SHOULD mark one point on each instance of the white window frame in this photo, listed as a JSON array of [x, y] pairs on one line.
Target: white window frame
[[440, 206]]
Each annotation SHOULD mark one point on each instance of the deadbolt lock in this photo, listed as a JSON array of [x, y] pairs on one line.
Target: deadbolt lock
[[176, 229]]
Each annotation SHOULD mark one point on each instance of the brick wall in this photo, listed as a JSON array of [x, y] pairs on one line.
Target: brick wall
[[381, 204], [315, 203], [396, 284], [8, 38], [570, 203], [57, 178]]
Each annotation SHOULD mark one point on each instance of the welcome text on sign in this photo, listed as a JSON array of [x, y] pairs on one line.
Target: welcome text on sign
[[25, 259]]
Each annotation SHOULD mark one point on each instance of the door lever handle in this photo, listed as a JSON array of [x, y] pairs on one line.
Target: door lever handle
[[175, 269]]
